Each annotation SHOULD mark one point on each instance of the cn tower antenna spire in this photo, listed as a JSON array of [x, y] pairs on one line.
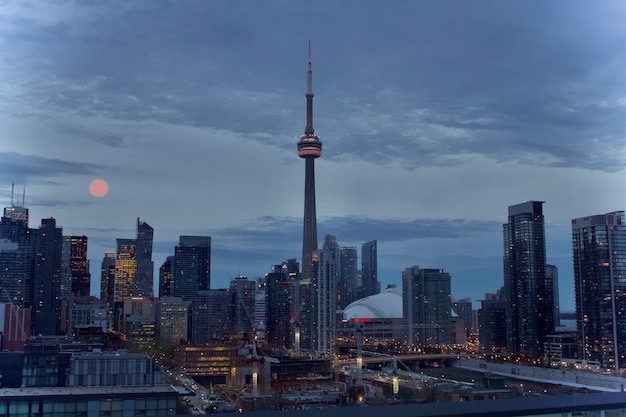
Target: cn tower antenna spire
[[310, 73], [309, 98]]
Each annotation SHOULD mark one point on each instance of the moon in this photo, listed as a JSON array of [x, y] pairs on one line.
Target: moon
[[98, 188]]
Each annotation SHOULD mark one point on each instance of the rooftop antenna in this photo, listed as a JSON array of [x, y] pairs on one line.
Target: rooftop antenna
[[309, 97], [24, 196], [12, 189]]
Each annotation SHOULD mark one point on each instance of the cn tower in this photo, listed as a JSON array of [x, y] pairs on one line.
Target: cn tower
[[309, 148]]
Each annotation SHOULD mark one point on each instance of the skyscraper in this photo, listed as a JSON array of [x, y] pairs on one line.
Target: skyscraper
[[599, 251], [347, 276], [172, 319], [145, 266], [527, 289], [125, 269], [16, 256], [327, 280], [426, 305], [243, 292], [107, 278], [492, 323], [309, 148], [369, 268], [552, 274], [79, 266], [48, 246], [192, 266], [14, 223], [280, 292], [134, 269], [165, 277]]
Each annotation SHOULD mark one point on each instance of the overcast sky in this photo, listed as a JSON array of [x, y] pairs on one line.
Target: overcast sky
[[435, 116]]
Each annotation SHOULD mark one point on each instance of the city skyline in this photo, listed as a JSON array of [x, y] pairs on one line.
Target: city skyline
[[435, 118]]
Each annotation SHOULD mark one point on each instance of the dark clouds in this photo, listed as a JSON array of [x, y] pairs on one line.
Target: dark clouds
[[350, 230], [536, 83]]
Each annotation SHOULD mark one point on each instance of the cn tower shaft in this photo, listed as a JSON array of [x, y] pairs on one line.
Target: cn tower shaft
[[309, 235]]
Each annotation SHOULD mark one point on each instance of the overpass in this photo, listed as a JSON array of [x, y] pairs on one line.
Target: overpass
[[422, 359]]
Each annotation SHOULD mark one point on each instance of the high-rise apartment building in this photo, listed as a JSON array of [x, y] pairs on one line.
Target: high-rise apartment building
[[326, 289], [369, 269], [599, 251], [145, 265], [48, 248], [192, 266], [426, 306], [528, 290]]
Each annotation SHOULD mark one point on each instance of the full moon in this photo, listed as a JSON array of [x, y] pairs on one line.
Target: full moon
[[98, 188]]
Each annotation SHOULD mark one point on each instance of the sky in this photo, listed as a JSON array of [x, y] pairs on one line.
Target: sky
[[435, 116]]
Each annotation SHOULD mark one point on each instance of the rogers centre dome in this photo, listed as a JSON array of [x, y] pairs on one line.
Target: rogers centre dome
[[384, 305]]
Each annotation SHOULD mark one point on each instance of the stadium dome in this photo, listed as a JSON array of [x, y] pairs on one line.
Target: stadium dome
[[384, 305]]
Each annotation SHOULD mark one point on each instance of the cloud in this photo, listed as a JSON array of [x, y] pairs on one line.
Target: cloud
[[16, 167], [287, 231], [501, 82]]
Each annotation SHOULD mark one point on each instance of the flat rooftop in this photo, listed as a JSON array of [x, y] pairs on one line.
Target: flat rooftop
[[57, 392]]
